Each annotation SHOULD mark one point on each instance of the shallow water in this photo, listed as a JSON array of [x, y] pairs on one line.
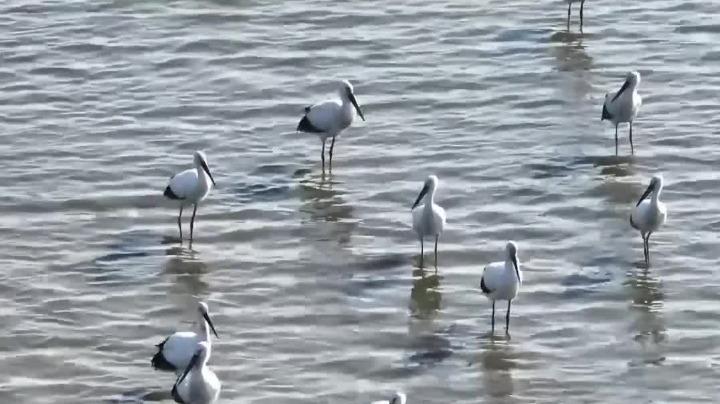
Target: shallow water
[[314, 281]]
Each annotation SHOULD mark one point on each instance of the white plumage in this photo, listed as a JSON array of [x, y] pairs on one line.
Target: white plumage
[[329, 118], [176, 351], [198, 384], [191, 186], [648, 215], [623, 106], [428, 218], [502, 280], [397, 398]]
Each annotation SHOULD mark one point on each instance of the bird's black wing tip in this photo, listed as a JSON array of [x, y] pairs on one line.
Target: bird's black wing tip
[[484, 287], [605, 113], [176, 396], [306, 126], [170, 194], [159, 362]]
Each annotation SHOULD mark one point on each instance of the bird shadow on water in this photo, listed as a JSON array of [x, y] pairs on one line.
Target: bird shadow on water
[[610, 165]]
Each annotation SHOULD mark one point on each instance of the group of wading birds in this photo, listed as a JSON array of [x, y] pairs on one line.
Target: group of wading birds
[[187, 353]]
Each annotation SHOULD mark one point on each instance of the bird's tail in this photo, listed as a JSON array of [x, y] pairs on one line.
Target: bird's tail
[[306, 126], [605, 112], [170, 194], [160, 363]]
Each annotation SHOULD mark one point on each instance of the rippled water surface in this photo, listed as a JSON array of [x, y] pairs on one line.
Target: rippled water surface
[[314, 281]]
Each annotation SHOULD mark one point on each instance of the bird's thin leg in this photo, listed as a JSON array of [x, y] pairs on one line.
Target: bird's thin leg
[[332, 147], [632, 148], [507, 318], [422, 252], [647, 247], [492, 321], [437, 236], [180, 222], [616, 140], [192, 222], [322, 155], [568, 19], [582, 5]]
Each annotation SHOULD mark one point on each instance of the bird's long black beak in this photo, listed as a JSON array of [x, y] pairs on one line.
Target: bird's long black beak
[[207, 170], [355, 103], [624, 87], [419, 198], [212, 327], [649, 189], [189, 367], [515, 264]]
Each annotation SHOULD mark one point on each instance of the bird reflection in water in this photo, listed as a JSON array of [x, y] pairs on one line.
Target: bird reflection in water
[[425, 296], [498, 362], [322, 202], [571, 55], [647, 304], [186, 267]]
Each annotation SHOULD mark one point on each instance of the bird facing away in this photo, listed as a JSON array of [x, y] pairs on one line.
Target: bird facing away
[[649, 214], [189, 187], [501, 281], [175, 352], [582, 6], [397, 398], [623, 106], [428, 218], [330, 118], [197, 384]]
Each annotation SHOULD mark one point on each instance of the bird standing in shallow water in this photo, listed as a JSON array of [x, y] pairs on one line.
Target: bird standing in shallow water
[[582, 6], [648, 215], [190, 187], [198, 384], [175, 352], [623, 106], [397, 398], [429, 218], [502, 280], [330, 118]]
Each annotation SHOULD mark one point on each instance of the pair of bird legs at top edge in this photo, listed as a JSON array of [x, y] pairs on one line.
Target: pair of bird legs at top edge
[[507, 318], [192, 223], [582, 6], [422, 252], [322, 154], [632, 148]]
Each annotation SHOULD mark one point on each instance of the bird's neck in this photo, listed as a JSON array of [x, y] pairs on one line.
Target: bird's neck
[[203, 177], [203, 329], [429, 201], [656, 195]]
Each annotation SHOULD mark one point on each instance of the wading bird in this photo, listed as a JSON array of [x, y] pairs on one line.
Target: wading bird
[[189, 187], [502, 280], [175, 352], [428, 218], [197, 384], [623, 106], [330, 118], [649, 214]]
